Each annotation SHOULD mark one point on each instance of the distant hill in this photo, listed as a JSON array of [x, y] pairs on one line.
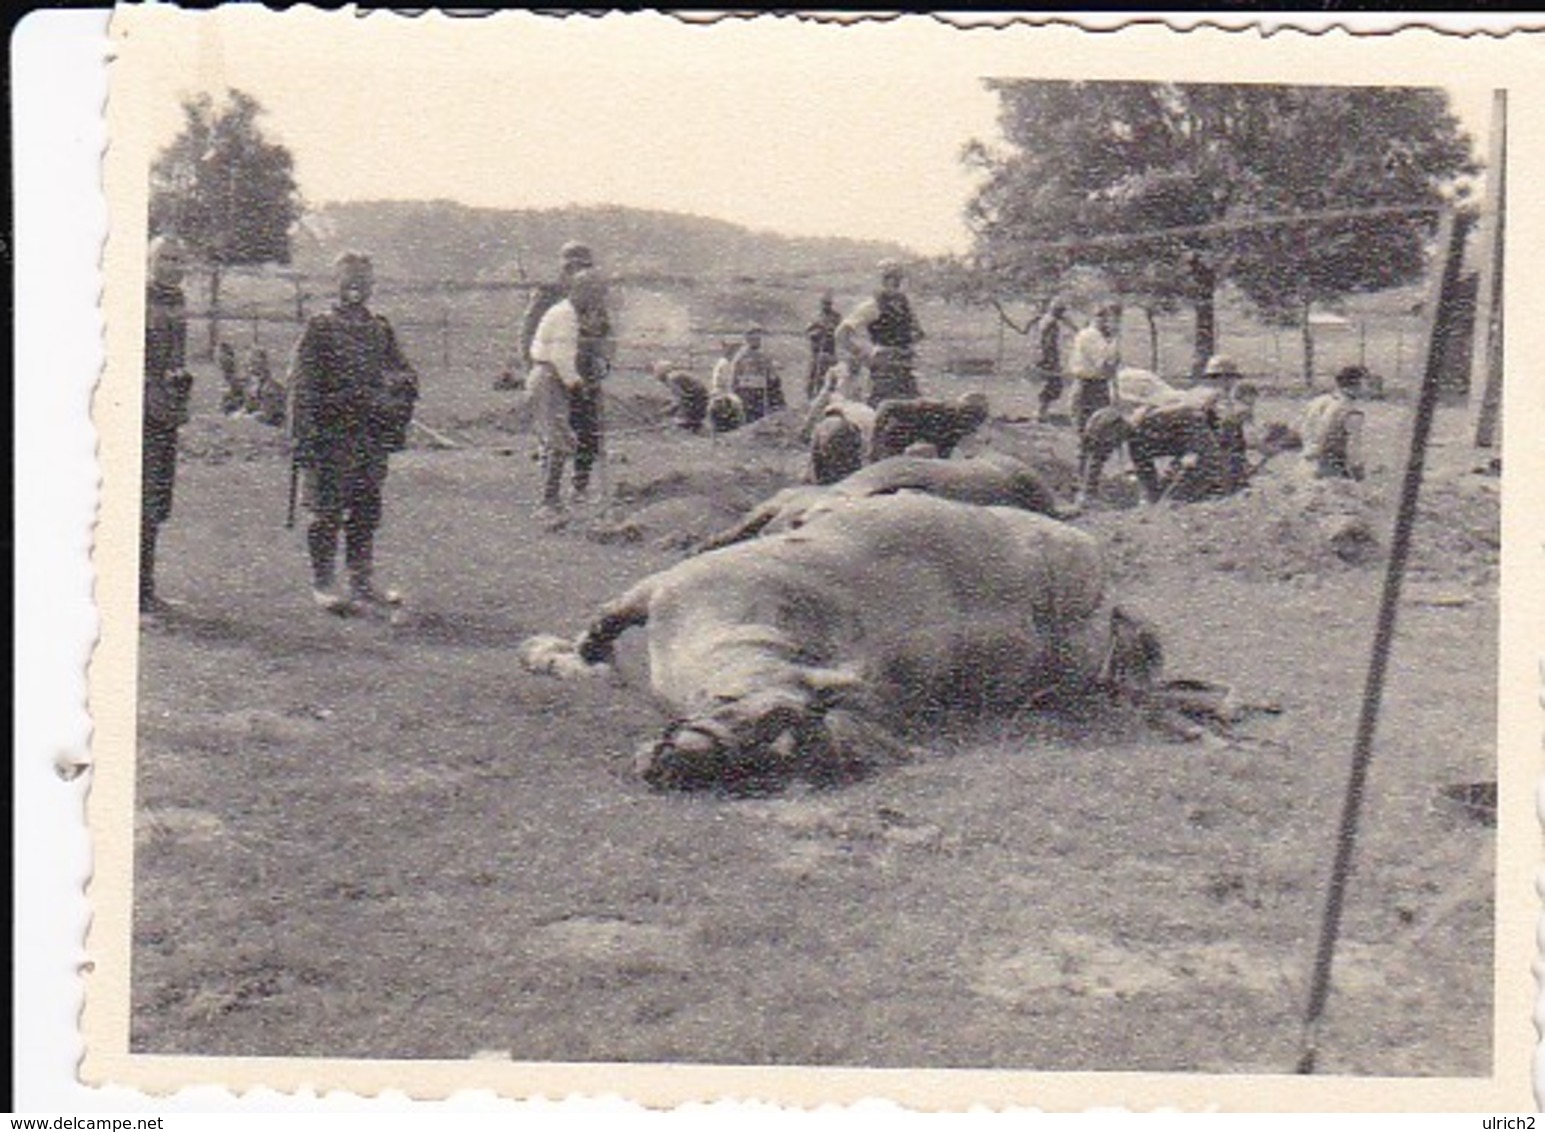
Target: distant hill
[[441, 241]]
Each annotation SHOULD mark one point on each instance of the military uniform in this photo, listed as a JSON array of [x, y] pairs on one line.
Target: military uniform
[[754, 379], [1188, 427], [594, 362], [1048, 360], [351, 399], [1330, 423], [234, 399], [167, 385], [822, 336], [894, 332], [689, 396], [944, 424]]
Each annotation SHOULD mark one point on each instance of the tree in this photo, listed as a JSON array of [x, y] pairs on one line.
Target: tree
[[1393, 141], [225, 189], [1148, 181]]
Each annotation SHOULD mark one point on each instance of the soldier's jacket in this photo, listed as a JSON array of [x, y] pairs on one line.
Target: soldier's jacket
[[167, 381], [349, 384]]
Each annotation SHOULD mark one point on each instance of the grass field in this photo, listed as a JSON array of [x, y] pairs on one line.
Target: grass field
[[365, 841]]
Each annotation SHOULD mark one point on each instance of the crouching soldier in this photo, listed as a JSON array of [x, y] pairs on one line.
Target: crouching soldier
[[943, 424], [839, 425], [1184, 430], [234, 399], [351, 399], [725, 413], [689, 396]]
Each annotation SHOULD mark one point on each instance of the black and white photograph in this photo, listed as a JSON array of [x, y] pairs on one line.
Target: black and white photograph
[[812, 560]]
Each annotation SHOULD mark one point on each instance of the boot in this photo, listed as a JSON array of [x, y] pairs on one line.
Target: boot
[[362, 588], [551, 509], [149, 603], [322, 543]]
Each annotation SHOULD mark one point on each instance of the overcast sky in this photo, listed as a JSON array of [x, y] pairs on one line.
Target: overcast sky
[[775, 124]]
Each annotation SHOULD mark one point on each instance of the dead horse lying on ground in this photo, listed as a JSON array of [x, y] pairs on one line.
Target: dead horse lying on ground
[[800, 653], [994, 480]]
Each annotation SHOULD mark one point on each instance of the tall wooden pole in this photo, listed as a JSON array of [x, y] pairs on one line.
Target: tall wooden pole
[[1486, 360], [1451, 240]]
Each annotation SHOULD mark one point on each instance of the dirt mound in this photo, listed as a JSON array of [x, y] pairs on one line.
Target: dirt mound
[[1458, 529], [1284, 526], [776, 430], [635, 408], [682, 507], [1050, 451], [738, 486]]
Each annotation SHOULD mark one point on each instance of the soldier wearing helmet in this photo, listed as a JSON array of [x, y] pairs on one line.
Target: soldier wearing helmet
[[573, 257], [351, 398], [1223, 372]]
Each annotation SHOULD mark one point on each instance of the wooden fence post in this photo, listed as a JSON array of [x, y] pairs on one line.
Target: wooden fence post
[[1486, 358]]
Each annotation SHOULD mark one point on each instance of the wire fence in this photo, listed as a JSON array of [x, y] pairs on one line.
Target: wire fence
[[465, 330], [472, 335]]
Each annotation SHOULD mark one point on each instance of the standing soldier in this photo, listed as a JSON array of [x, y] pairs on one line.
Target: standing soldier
[[893, 331], [1048, 355], [1092, 364], [568, 361], [351, 399], [575, 257], [822, 336], [584, 402], [167, 385]]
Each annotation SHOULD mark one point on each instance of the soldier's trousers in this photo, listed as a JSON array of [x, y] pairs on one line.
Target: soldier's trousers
[[585, 420], [342, 491], [158, 472], [1051, 388]]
